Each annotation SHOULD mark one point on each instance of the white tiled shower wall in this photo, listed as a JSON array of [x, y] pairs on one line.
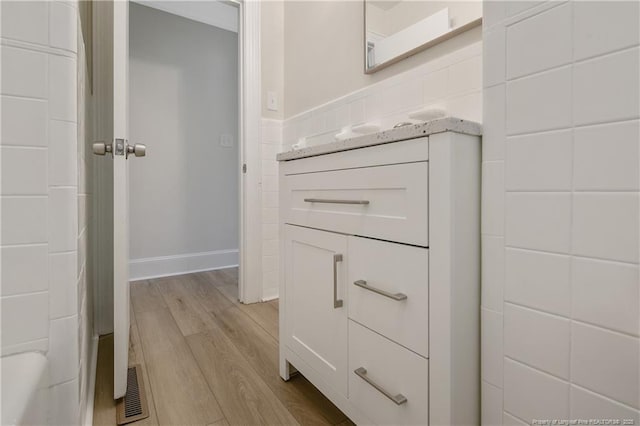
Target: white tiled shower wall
[[45, 303], [452, 81], [560, 214]]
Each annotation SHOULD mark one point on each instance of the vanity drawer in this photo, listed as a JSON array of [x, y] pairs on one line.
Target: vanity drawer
[[386, 202], [378, 366], [388, 290]]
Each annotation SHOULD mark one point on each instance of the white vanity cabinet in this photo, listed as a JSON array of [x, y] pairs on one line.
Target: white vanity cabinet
[[380, 294]]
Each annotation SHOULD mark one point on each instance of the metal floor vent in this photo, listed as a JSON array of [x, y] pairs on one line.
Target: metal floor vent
[[133, 406]]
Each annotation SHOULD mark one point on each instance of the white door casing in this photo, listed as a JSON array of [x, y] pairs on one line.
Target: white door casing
[[250, 277]]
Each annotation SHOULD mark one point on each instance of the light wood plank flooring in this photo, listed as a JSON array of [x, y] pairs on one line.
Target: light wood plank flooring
[[208, 359]]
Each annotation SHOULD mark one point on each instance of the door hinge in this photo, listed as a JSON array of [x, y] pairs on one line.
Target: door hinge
[[119, 146], [244, 168]]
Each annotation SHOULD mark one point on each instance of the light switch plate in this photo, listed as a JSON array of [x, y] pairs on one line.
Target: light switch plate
[[226, 140], [272, 101]]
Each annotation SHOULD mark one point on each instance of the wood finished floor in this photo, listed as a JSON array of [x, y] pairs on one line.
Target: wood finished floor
[[208, 359]]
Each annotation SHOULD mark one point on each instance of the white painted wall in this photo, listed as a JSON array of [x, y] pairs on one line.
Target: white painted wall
[[212, 12], [184, 96], [560, 219], [272, 55], [389, 20], [324, 53], [46, 255]]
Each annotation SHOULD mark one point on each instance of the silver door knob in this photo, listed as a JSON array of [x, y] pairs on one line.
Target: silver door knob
[[101, 148], [139, 150]]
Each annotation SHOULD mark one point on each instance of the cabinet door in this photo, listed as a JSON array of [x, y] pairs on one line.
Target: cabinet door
[[316, 314]]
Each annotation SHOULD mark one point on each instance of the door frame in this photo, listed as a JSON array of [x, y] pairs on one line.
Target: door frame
[[250, 114]]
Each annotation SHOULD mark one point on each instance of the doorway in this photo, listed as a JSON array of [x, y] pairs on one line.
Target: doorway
[[248, 142], [184, 200]]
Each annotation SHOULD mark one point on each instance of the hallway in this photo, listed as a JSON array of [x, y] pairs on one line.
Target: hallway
[[207, 359]]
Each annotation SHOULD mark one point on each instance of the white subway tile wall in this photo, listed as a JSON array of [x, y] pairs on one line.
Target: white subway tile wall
[[62, 296], [63, 349], [493, 275], [271, 145], [606, 88], [24, 269], [540, 162], [606, 157], [25, 317], [589, 405], [491, 345], [63, 26], [27, 216], [613, 305], [494, 110], [532, 394], [599, 29], [28, 23], [493, 200], [528, 335], [539, 102], [24, 72], [509, 420], [538, 220], [538, 280], [523, 41], [605, 225], [564, 102], [452, 81], [63, 400], [606, 362], [24, 122], [44, 235], [28, 168], [491, 405]]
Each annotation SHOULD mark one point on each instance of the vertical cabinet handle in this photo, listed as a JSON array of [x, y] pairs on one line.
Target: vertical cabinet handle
[[337, 303], [399, 399]]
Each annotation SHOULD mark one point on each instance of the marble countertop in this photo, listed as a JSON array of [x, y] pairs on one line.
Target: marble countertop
[[445, 124]]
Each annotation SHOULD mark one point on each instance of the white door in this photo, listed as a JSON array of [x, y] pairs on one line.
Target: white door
[[316, 328], [112, 116], [120, 197]]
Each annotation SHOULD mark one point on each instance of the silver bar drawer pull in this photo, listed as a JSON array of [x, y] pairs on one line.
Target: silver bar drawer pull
[[328, 201], [337, 303], [394, 296], [399, 399]]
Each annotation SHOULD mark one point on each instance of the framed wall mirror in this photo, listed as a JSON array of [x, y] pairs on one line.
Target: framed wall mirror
[[397, 29]]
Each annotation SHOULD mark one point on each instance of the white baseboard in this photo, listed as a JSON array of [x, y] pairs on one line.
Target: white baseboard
[[164, 266], [269, 294], [93, 367]]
